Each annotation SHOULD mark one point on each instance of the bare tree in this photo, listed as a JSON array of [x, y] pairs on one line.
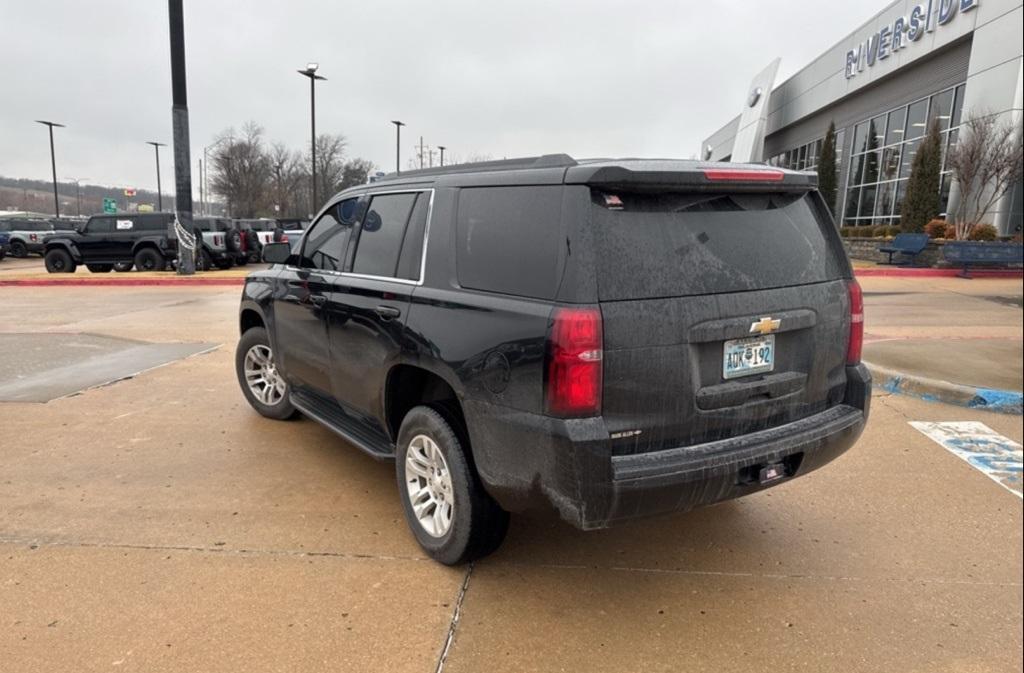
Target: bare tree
[[330, 165], [986, 163], [289, 181], [241, 171]]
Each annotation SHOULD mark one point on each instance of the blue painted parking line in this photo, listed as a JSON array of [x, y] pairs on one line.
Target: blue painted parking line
[[997, 457]]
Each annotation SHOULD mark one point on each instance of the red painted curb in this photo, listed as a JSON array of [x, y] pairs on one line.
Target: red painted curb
[[937, 273], [131, 282]]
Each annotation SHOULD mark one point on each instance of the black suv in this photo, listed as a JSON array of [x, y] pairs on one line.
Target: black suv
[[144, 239], [611, 339]]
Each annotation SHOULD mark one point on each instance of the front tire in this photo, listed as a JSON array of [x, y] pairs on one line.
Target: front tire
[[149, 259], [59, 260], [453, 518], [262, 384], [19, 249]]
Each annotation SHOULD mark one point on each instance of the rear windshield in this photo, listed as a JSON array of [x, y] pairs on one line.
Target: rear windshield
[[679, 244]]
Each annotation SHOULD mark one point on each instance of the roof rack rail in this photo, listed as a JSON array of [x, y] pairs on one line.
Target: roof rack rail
[[544, 161]]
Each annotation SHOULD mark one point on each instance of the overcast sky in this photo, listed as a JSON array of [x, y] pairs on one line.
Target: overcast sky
[[515, 78]]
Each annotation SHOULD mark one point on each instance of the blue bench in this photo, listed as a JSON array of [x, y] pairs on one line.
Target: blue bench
[[966, 253], [908, 245]]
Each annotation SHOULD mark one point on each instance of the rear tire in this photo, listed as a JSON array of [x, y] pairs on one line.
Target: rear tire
[[59, 260], [149, 259], [19, 249], [263, 386], [100, 268], [440, 478]]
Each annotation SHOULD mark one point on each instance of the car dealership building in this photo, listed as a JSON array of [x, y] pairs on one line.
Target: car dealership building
[[882, 85]]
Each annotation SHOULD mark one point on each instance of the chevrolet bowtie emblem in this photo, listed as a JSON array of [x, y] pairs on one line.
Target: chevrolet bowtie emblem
[[765, 325]]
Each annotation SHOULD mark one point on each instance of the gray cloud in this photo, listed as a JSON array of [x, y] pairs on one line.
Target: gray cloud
[[516, 78]]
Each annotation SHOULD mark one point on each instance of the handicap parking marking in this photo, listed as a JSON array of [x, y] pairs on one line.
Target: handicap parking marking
[[997, 457]]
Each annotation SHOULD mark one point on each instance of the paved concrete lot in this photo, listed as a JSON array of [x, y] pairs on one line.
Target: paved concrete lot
[[159, 524], [964, 331]]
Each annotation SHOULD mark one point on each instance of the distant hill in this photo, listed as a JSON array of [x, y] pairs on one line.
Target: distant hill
[[37, 196]]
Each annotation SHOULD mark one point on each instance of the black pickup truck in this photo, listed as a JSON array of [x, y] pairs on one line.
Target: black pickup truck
[[145, 240]]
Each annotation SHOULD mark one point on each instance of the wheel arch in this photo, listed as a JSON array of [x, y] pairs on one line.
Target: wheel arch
[[65, 245], [410, 385]]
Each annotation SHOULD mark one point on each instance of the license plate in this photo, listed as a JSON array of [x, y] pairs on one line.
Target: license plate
[[745, 357]]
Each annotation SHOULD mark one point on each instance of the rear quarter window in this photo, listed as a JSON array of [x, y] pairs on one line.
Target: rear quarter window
[[668, 245], [507, 239]]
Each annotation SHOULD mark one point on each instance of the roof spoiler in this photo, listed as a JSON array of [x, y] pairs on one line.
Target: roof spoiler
[[697, 177]]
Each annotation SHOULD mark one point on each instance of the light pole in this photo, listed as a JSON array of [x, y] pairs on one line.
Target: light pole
[[53, 163], [159, 192], [442, 148], [310, 72], [187, 238], [398, 144], [78, 192]]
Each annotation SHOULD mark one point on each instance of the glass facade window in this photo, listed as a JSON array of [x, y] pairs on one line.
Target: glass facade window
[[882, 156]]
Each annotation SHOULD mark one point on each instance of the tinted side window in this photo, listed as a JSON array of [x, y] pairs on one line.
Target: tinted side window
[[150, 224], [412, 247], [327, 241], [100, 226], [508, 239], [381, 235]]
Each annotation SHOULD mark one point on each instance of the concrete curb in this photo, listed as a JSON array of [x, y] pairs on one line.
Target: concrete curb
[[912, 272], [934, 390]]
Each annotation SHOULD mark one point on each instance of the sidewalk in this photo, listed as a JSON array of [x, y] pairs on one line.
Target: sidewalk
[[946, 339]]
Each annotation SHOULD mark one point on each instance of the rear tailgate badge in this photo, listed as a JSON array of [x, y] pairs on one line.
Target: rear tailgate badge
[[765, 325]]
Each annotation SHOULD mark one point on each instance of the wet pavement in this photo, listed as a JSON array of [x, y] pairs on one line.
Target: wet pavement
[[967, 332], [158, 524]]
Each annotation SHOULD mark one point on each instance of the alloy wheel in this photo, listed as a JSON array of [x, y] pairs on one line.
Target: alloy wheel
[[262, 377], [429, 483]]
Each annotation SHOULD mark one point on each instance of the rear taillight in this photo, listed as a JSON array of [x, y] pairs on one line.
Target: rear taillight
[[284, 238], [856, 323], [742, 175], [218, 240], [574, 362]]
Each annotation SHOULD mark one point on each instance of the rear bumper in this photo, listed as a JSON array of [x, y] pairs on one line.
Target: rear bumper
[[568, 465]]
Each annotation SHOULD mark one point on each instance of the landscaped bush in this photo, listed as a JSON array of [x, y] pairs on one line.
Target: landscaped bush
[[892, 231], [950, 234], [936, 229], [983, 232], [880, 231]]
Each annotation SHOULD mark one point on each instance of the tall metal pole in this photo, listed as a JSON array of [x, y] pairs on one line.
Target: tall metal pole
[[398, 145], [53, 163], [442, 148], [159, 192], [179, 117], [312, 140], [310, 72]]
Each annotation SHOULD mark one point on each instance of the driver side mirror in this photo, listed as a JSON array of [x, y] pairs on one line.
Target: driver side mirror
[[276, 253]]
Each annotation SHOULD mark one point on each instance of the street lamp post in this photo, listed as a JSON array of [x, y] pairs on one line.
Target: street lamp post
[[398, 145], [53, 163], [310, 72], [78, 192], [159, 192], [442, 148]]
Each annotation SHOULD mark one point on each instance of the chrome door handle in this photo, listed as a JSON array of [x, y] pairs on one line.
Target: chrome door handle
[[387, 312]]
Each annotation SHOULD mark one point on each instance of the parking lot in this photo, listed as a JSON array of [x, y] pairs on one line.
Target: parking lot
[[159, 524]]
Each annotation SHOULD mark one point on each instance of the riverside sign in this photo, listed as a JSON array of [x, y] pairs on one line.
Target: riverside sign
[[923, 18]]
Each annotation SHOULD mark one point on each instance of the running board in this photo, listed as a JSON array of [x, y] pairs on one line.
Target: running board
[[334, 418]]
